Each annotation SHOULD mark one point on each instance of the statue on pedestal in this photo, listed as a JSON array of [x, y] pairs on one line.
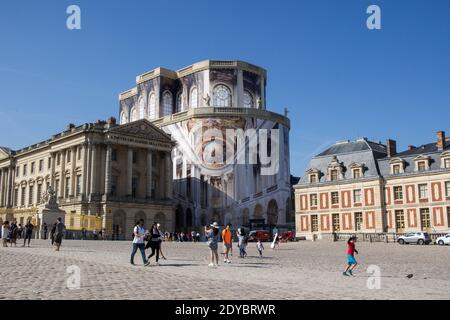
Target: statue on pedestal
[[207, 100], [49, 199]]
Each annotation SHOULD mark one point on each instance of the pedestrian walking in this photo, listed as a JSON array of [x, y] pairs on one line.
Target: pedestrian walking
[[227, 238], [212, 237], [242, 242], [28, 233], [351, 261], [138, 241], [19, 231], [59, 233], [260, 247], [13, 233], [52, 233], [45, 227], [5, 233], [154, 243]]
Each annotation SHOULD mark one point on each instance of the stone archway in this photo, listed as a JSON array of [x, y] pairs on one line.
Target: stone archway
[[179, 218], [161, 219], [188, 217], [272, 212], [258, 212], [245, 216], [119, 225], [141, 215]]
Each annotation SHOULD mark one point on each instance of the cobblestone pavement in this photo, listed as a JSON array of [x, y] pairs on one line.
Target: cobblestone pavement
[[303, 270]]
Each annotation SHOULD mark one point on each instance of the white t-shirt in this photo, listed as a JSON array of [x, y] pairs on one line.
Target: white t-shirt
[[141, 232]]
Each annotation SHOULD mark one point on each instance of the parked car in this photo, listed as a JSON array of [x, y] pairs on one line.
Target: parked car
[[256, 235], [288, 236], [443, 240], [415, 237]]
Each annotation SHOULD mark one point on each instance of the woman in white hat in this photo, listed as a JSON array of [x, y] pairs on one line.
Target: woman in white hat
[[212, 236]]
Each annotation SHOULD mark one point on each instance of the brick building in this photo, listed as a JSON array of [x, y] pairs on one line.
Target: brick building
[[363, 186]]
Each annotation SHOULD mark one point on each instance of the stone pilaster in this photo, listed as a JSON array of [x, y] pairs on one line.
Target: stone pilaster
[[240, 89], [2, 186], [93, 170], [62, 175], [72, 171], [8, 187], [168, 178], [84, 169]]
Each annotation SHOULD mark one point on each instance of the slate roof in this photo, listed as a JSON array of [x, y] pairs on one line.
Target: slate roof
[[361, 151]]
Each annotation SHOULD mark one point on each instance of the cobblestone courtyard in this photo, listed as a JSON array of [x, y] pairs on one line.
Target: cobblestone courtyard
[[303, 270]]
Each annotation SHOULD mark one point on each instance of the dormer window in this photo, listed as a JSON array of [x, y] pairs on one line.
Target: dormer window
[[445, 160], [357, 170], [333, 175], [356, 173], [422, 163], [397, 166], [312, 178], [313, 175]]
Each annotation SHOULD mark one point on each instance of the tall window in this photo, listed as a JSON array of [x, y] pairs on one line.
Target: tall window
[[123, 118], [141, 109], [447, 163], [312, 178], [333, 175], [425, 220], [194, 98], [134, 114], [32, 168], [41, 165], [24, 169], [69, 156], [314, 223], [357, 196], [248, 99], [67, 188], [114, 155], [398, 193], [22, 197], [30, 196], [180, 106], [16, 197], [167, 103], [399, 220], [114, 180], [222, 96], [336, 223], [57, 187], [356, 173], [39, 193], [152, 106], [358, 221], [49, 163], [396, 169], [78, 185], [423, 191], [134, 186], [447, 189], [335, 198], [313, 200]]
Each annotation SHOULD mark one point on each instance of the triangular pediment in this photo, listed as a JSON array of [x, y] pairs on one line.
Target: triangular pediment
[[4, 153], [142, 129]]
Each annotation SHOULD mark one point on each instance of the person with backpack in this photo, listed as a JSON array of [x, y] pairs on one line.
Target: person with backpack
[[138, 241]]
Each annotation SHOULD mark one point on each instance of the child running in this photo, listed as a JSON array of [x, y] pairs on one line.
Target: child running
[[351, 261], [260, 248]]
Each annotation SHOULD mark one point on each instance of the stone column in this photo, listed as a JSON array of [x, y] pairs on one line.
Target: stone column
[[84, 169], [2, 186], [168, 182], [62, 175], [93, 169], [52, 170], [108, 169], [130, 172], [8, 188], [88, 169], [149, 173], [72, 172]]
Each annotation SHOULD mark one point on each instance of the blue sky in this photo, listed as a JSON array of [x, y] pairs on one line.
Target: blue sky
[[338, 79]]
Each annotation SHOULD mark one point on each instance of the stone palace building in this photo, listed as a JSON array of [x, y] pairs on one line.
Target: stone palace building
[[216, 96], [363, 186], [106, 177]]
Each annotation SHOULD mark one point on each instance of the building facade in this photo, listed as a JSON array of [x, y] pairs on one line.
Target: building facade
[[363, 186], [198, 105], [106, 177]]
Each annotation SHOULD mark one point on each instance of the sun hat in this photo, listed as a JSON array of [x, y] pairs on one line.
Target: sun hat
[[215, 225]]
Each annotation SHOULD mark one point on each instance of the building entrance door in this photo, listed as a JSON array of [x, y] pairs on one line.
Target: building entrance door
[[399, 221]]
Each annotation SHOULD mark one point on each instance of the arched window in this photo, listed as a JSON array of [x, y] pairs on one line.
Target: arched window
[[248, 99], [180, 106], [134, 114], [194, 98], [222, 96], [152, 106], [167, 103], [123, 118], [141, 109]]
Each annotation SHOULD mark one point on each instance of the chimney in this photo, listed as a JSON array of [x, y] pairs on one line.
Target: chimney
[[411, 147], [391, 148], [441, 140]]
